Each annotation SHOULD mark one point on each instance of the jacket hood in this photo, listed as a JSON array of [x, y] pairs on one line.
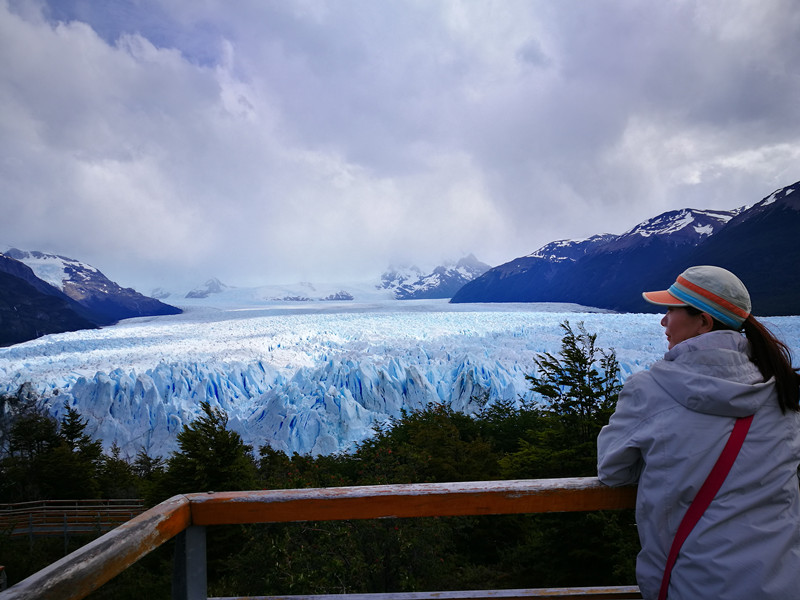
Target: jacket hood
[[712, 374]]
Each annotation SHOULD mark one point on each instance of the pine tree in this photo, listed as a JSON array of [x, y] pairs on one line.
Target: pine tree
[[50, 460], [211, 457], [116, 476], [581, 386]]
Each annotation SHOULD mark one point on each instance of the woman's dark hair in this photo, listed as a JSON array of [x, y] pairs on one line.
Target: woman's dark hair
[[771, 356]]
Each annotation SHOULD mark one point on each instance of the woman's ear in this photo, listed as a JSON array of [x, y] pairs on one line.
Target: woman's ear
[[706, 322]]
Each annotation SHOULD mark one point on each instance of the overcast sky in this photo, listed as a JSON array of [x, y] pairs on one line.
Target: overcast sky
[[168, 141]]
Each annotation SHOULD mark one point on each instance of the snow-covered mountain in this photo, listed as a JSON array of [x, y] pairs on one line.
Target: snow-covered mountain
[[678, 226], [397, 283], [586, 270], [30, 307], [688, 226], [46, 293], [212, 286], [395, 276], [108, 301], [410, 283], [299, 294], [571, 250], [757, 242], [760, 246]]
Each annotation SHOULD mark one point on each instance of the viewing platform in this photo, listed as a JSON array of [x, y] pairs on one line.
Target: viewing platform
[[186, 517], [66, 517]]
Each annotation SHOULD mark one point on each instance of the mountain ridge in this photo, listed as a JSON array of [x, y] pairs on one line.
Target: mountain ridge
[[30, 307], [410, 283], [610, 271], [108, 301], [46, 293]]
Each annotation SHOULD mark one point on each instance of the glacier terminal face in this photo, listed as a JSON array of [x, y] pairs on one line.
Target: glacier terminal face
[[309, 380]]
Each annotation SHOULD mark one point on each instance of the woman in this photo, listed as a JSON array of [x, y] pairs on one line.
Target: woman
[[670, 426]]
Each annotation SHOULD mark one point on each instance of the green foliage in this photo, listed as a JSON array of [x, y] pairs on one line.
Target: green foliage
[[45, 459], [150, 472], [432, 444], [116, 477], [78, 456], [342, 556], [211, 457], [580, 386]]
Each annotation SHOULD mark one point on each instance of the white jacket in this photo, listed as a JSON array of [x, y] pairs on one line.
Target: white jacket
[[670, 426]]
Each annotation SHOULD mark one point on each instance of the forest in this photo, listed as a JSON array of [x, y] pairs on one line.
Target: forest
[[41, 458]]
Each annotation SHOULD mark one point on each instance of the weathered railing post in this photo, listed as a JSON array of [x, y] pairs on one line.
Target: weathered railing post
[[189, 579], [66, 535]]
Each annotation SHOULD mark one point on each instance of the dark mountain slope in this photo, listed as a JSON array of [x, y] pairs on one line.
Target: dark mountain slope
[[759, 244], [107, 301], [27, 313], [762, 246], [600, 271]]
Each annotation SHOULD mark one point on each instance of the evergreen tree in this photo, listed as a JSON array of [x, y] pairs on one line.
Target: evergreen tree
[[150, 472], [31, 439], [146, 466], [73, 431], [580, 387], [211, 457], [116, 477], [504, 423], [71, 468], [435, 443], [46, 460], [33, 434]]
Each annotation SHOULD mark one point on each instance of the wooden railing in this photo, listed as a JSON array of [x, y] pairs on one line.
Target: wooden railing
[[186, 517], [66, 517]]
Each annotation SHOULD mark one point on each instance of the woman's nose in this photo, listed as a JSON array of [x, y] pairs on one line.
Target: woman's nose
[[664, 321]]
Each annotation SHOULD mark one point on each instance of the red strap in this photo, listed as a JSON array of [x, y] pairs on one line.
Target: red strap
[[705, 495]]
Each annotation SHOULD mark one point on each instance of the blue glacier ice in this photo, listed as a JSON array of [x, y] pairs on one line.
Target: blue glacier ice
[[309, 378]]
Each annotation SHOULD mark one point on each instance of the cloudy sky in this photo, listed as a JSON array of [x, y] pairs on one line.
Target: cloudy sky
[[168, 141]]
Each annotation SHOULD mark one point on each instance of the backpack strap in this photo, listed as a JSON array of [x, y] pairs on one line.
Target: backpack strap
[[705, 495]]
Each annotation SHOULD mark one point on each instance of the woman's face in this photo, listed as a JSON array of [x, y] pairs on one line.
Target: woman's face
[[679, 325]]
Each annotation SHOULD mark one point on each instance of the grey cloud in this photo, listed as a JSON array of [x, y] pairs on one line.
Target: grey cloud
[[167, 139], [532, 53]]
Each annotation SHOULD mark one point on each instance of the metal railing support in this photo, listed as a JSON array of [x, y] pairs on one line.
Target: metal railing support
[[189, 577]]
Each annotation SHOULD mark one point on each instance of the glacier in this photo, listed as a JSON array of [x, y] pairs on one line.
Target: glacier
[[309, 377]]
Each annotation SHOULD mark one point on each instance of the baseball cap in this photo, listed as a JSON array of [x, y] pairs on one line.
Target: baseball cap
[[710, 289]]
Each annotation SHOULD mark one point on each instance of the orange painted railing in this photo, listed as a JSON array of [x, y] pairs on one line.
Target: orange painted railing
[[186, 516]]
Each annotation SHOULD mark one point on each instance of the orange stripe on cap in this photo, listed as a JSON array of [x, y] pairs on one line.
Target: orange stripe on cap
[[713, 297]]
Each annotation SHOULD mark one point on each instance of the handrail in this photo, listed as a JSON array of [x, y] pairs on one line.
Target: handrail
[[86, 569], [408, 500], [90, 566], [57, 517], [73, 503]]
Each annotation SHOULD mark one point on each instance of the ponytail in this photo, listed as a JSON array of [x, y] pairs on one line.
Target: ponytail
[[771, 356], [773, 359]]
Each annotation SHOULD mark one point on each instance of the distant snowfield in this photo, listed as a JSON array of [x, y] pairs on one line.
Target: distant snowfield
[[309, 377]]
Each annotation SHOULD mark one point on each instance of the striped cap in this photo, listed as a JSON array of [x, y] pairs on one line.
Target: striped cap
[[710, 289]]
